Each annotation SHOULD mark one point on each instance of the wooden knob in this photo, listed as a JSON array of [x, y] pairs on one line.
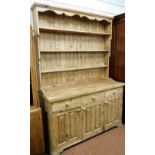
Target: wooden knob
[[79, 110], [83, 108], [106, 101], [67, 104], [93, 98]]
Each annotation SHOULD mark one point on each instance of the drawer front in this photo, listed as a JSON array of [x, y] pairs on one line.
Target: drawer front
[[110, 93], [66, 105], [120, 90], [113, 92], [92, 98]]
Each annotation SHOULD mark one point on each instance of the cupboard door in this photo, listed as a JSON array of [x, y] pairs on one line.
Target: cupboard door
[[92, 114], [109, 113], [60, 128], [98, 117], [113, 111], [118, 110], [74, 125], [88, 121], [66, 126]]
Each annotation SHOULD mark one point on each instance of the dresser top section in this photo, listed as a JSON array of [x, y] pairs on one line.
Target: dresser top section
[[41, 7]]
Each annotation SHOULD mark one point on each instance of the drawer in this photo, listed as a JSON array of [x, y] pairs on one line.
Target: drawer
[[92, 98], [66, 105], [112, 92], [119, 90]]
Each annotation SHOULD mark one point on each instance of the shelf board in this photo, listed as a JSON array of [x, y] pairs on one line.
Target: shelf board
[[49, 51], [46, 29], [71, 69]]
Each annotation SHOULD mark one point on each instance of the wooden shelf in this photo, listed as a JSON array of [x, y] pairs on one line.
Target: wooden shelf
[[71, 69], [46, 29], [49, 51]]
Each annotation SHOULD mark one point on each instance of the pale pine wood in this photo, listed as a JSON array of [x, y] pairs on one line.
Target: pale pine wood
[[76, 42], [85, 88], [91, 115], [71, 69], [47, 29], [73, 52], [60, 23], [87, 50]]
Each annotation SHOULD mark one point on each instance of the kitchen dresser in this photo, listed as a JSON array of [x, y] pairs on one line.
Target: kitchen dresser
[[73, 51]]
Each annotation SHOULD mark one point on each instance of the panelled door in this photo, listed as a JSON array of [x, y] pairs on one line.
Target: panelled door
[[109, 113], [98, 116], [60, 136], [118, 109], [66, 126], [87, 121], [113, 102], [74, 125], [93, 119]]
